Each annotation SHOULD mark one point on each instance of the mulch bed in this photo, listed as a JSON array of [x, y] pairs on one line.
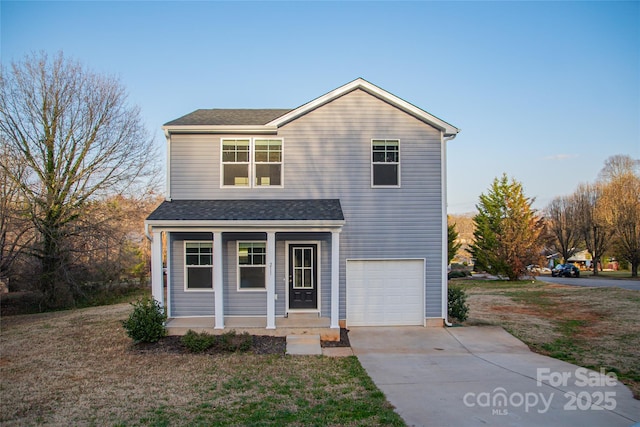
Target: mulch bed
[[262, 344]]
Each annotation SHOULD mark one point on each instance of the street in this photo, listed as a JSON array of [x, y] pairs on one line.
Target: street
[[593, 282]]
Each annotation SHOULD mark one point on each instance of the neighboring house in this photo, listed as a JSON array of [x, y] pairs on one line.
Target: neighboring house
[[327, 215]]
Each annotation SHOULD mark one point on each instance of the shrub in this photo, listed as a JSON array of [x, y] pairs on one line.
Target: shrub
[[146, 322], [457, 305], [457, 274], [197, 342], [230, 341]]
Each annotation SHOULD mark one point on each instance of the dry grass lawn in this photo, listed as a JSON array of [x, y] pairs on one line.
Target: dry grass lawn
[[77, 368], [591, 327]]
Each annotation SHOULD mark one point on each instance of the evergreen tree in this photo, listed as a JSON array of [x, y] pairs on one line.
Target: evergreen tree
[[507, 235], [453, 246]]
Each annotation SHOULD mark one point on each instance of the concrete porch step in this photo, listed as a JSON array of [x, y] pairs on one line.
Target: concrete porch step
[[303, 345]]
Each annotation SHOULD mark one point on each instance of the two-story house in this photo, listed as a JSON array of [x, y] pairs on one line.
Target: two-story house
[[327, 215]]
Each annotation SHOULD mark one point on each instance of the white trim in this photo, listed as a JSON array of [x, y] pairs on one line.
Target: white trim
[[318, 308], [238, 266], [185, 266], [239, 225], [372, 163], [335, 279], [169, 271], [374, 90], [218, 280], [271, 280], [157, 274], [226, 129], [168, 172]]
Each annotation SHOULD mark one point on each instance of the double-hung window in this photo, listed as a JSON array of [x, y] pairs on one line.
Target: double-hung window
[[385, 163], [198, 260], [252, 259], [268, 162], [252, 162], [235, 162]]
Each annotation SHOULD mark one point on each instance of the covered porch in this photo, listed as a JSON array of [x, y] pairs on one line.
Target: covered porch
[[299, 266]]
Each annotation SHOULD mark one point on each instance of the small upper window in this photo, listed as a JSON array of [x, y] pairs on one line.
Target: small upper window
[[252, 259], [198, 265], [268, 162], [385, 159], [235, 162]]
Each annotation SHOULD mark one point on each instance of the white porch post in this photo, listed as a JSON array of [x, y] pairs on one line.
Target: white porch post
[[157, 283], [335, 279], [217, 280], [271, 280]]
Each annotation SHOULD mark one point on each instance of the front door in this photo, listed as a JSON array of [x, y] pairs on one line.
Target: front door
[[303, 276]]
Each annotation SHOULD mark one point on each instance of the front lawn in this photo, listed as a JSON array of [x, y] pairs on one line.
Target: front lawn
[[591, 327], [78, 367]]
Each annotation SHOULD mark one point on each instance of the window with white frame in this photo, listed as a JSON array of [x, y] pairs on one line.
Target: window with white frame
[[385, 162], [252, 162], [198, 260], [235, 162], [268, 162], [252, 259]]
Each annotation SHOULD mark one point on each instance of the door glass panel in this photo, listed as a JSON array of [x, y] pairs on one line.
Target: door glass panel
[[303, 268]]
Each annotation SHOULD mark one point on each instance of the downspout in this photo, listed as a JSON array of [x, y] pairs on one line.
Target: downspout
[[445, 297]]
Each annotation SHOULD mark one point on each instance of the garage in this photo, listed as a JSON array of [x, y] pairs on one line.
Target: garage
[[385, 292]]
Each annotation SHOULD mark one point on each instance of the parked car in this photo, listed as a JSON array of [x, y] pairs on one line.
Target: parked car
[[565, 270]]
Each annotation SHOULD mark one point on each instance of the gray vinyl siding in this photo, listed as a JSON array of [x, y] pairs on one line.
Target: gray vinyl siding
[[183, 303], [240, 303], [327, 154]]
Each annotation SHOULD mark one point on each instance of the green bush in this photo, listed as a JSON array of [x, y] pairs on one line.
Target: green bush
[[457, 274], [457, 305], [197, 342], [229, 341], [146, 322]]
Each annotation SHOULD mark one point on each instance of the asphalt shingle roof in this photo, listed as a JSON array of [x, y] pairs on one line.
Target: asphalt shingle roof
[[229, 117], [249, 210]]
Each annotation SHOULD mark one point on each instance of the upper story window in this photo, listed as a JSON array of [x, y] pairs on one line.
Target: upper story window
[[385, 163], [198, 260], [252, 163], [268, 162], [235, 162]]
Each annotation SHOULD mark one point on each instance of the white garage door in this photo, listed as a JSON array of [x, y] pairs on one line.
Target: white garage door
[[385, 292]]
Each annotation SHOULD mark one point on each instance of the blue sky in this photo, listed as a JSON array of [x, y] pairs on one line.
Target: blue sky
[[543, 91]]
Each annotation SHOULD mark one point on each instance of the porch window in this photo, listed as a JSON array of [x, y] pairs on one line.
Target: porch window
[[198, 265], [268, 162], [385, 163], [252, 259], [235, 162]]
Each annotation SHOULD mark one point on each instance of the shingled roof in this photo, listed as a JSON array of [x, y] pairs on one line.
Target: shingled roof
[[249, 210], [225, 117]]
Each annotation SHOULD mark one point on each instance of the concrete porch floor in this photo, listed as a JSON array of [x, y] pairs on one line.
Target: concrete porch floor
[[295, 324]]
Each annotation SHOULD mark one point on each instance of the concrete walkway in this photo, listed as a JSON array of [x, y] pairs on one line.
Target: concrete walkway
[[483, 376]]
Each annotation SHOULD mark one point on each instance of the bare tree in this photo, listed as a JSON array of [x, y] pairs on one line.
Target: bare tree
[[562, 225], [621, 209], [15, 229], [595, 230], [77, 139], [618, 166]]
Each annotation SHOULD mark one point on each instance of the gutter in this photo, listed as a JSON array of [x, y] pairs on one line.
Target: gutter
[[445, 295]]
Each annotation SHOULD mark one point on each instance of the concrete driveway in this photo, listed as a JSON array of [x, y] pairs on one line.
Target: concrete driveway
[[483, 376]]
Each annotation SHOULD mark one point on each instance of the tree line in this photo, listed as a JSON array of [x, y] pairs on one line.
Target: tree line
[[602, 217], [78, 172]]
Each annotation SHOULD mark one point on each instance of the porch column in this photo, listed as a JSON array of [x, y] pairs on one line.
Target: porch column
[[271, 280], [335, 279], [157, 281], [217, 280]]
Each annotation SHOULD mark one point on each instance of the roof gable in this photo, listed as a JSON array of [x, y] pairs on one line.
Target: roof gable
[[269, 120], [447, 128]]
